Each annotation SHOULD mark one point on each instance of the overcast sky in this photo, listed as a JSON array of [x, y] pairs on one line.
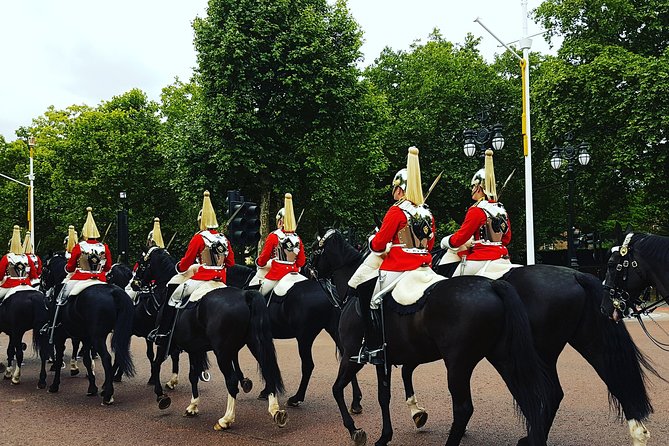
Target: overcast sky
[[83, 51]]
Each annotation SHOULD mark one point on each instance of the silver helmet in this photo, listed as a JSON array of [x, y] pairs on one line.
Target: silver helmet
[[479, 178], [400, 180], [281, 214]]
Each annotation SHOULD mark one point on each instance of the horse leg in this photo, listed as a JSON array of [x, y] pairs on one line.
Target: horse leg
[[44, 351], [195, 369], [10, 358], [418, 413], [347, 372], [162, 398], [59, 347], [246, 383], [225, 363], [90, 370], [74, 366], [150, 355], [174, 380], [100, 346], [459, 384], [16, 373], [304, 347], [356, 407], [383, 382]]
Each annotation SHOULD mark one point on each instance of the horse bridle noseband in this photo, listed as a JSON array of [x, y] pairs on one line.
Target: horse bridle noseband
[[618, 292]]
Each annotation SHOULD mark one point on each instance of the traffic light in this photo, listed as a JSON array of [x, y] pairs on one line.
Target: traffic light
[[251, 223]]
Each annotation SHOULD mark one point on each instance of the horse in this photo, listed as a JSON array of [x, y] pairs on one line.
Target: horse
[[640, 262], [224, 320], [147, 304], [305, 311], [460, 321], [563, 306], [24, 310], [91, 316]]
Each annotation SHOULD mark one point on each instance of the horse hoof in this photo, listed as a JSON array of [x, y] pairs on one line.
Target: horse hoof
[[420, 419], [189, 414], [74, 372], [359, 437], [92, 391], [53, 389], [170, 386], [262, 396], [293, 402], [281, 418], [41, 385], [219, 427], [15, 382], [356, 410], [247, 385], [108, 402], [164, 402]]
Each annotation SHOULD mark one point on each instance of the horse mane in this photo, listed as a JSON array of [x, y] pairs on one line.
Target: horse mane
[[656, 247], [164, 264], [348, 253]]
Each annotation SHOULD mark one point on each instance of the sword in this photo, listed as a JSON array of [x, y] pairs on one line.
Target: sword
[[234, 214], [434, 183], [171, 240], [505, 183], [299, 218], [107, 231]]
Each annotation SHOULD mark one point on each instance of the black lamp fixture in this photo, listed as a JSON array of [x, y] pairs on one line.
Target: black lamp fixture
[[484, 137]]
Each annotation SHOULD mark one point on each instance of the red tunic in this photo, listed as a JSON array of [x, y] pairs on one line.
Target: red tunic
[[11, 282], [195, 248], [398, 259], [279, 269], [475, 219], [84, 275]]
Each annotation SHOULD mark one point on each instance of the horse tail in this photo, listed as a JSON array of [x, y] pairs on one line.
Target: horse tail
[[123, 331], [261, 341], [623, 362], [40, 317], [525, 375]]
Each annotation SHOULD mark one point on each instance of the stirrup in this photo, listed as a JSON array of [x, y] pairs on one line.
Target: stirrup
[[377, 357], [362, 357], [156, 337]]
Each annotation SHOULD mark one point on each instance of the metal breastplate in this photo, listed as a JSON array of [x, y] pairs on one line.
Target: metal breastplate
[[288, 248], [497, 222], [17, 266], [215, 249], [92, 257], [417, 233]]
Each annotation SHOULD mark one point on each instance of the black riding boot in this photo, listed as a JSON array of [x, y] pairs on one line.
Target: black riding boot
[[165, 323], [372, 350]]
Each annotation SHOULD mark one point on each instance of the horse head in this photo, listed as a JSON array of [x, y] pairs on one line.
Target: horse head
[[155, 267], [53, 273], [119, 274], [332, 252], [627, 276]]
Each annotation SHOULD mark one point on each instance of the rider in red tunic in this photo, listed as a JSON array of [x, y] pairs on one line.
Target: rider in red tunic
[[207, 258], [28, 250], [16, 268], [481, 242], [283, 249], [403, 242], [89, 259]]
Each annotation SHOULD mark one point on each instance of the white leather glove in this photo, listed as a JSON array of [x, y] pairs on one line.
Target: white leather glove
[[468, 244]]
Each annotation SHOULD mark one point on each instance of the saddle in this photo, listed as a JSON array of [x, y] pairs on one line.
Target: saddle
[[411, 287], [287, 282], [6, 293]]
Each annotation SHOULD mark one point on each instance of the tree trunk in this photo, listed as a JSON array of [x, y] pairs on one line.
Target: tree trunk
[[265, 195]]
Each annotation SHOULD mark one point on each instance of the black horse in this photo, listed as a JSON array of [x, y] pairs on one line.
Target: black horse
[[640, 262], [301, 314], [22, 311], [91, 316], [224, 320], [563, 307], [460, 321], [147, 305]]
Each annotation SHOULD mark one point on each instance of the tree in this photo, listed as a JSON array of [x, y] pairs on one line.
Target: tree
[[282, 106]]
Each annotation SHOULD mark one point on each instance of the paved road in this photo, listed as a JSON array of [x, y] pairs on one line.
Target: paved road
[[34, 417]]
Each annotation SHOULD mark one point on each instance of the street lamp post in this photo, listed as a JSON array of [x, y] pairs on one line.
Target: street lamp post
[[570, 153], [485, 137], [122, 228], [31, 193]]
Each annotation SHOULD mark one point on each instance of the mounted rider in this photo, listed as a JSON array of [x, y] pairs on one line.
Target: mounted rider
[[402, 244], [213, 253], [154, 240], [16, 268], [28, 249], [479, 247], [283, 252]]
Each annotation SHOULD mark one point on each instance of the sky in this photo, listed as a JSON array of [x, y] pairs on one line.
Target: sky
[[69, 52]]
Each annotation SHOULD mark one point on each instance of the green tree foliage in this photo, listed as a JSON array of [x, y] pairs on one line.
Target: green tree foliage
[[283, 108], [610, 86]]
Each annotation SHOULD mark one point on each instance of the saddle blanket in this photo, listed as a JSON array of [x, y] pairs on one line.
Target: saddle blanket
[[77, 286], [413, 284], [6, 293], [287, 282]]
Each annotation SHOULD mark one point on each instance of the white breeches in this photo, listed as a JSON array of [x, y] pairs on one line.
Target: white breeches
[[488, 268]]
